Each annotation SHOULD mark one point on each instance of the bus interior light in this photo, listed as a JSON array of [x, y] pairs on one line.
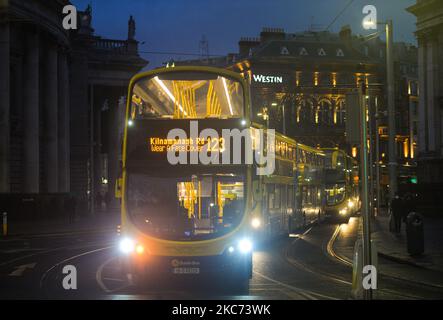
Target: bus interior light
[[228, 97], [256, 223]]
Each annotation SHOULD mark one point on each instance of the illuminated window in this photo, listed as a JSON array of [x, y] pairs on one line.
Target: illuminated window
[[206, 97], [297, 78], [334, 79], [406, 148]]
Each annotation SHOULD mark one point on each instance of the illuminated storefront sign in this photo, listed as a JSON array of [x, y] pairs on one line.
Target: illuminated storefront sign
[[267, 79]]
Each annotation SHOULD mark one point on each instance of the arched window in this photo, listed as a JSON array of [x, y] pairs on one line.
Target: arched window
[[305, 112], [325, 112], [340, 112]]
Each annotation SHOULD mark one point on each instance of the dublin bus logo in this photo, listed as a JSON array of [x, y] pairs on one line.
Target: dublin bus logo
[[234, 146]]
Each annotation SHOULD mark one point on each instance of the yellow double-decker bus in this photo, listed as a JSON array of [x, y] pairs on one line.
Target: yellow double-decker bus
[[341, 185], [192, 201], [185, 218]]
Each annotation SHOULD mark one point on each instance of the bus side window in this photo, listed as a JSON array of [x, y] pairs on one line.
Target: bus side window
[[277, 200], [271, 196], [290, 198]]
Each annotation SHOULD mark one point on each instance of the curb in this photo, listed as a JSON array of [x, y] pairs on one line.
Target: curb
[[402, 261]]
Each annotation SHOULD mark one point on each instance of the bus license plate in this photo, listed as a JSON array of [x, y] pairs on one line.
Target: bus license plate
[[186, 270]]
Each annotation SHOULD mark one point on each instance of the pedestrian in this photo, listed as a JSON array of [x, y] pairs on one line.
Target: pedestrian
[[397, 212]]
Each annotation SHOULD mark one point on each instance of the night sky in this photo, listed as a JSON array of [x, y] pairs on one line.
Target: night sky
[[178, 25]]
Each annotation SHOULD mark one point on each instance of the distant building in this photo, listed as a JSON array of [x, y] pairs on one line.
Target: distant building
[[59, 94], [302, 81], [429, 33]]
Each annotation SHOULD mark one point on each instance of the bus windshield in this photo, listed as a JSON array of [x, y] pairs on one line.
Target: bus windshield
[[186, 207], [187, 95], [335, 167]]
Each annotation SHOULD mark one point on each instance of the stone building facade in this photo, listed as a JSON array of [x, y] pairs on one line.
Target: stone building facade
[[429, 33], [59, 95], [302, 81]]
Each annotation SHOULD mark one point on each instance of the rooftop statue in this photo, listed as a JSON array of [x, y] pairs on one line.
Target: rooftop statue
[[131, 28]]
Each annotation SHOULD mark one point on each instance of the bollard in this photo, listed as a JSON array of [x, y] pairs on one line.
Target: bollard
[[5, 224], [415, 234]]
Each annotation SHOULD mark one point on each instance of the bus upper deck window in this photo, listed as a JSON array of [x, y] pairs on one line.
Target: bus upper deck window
[[189, 96]]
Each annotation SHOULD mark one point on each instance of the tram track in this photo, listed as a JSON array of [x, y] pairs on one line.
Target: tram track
[[46, 275], [333, 277], [330, 251]]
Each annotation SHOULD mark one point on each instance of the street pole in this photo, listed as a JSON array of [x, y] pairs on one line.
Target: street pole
[[5, 224], [371, 156], [284, 119], [364, 179], [377, 156], [91, 153], [392, 165]]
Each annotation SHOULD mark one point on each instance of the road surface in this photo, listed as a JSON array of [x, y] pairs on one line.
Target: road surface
[[310, 265]]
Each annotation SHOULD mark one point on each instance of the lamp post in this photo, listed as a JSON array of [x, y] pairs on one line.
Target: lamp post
[[377, 155], [392, 165], [364, 168]]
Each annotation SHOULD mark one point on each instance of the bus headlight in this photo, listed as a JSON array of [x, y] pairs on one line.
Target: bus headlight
[[140, 249], [245, 246], [343, 211], [127, 245], [351, 204], [256, 223]]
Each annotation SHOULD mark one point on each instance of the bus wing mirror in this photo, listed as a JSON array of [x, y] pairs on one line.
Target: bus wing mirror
[[118, 188]]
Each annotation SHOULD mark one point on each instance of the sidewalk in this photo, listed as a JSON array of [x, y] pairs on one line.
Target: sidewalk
[[396, 263], [392, 246], [100, 222]]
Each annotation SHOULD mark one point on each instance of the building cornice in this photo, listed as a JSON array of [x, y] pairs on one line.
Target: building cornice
[[47, 15]]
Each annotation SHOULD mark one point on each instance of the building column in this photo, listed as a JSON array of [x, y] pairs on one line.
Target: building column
[[4, 107], [432, 84], [98, 174], [31, 114], [421, 110], [63, 124], [51, 118]]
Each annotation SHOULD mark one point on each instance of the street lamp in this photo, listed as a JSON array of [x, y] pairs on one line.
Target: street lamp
[[367, 250], [392, 165]]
